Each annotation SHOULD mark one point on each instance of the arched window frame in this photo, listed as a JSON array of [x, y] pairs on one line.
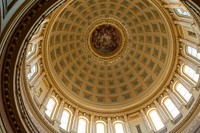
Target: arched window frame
[[87, 123], [185, 101], [32, 48], [34, 73], [69, 120], [151, 121], [174, 118], [179, 12], [40, 28], [189, 49], [54, 108], [183, 67], [116, 122], [101, 122]]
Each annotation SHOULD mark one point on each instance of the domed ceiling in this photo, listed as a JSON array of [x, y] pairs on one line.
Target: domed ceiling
[[105, 53]]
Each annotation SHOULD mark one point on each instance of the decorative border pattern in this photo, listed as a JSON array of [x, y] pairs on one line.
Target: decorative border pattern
[[107, 58]]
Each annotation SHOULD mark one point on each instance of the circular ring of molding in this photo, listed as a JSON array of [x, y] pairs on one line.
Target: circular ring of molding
[[106, 57]]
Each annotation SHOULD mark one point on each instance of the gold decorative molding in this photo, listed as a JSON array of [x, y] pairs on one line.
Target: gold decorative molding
[[111, 56]]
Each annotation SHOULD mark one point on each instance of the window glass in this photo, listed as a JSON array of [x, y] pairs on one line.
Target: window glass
[[100, 128], [64, 119], [50, 107], [82, 126], [193, 52], [172, 109], [183, 92], [119, 127], [32, 72], [190, 73], [183, 12], [158, 124]]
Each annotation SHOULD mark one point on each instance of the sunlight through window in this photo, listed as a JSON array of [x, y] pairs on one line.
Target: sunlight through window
[[119, 127], [185, 94], [82, 126], [158, 124], [64, 119], [172, 109]]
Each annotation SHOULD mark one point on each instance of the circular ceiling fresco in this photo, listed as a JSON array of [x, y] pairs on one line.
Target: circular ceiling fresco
[[104, 53], [105, 39]]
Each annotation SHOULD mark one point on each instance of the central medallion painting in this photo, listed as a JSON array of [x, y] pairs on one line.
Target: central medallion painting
[[105, 39]]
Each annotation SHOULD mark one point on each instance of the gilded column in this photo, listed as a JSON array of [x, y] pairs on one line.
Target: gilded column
[[194, 66], [146, 120], [59, 112], [46, 99], [92, 124], [162, 112], [36, 82], [187, 24], [176, 101], [184, 23], [185, 83], [110, 126], [34, 61], [75, 121], [126, 124]]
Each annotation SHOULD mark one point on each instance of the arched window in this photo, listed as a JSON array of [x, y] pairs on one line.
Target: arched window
[[193, 52], [65, 119], [82, 125], [100, 127], [119, 127], [171, 108], [190, 73], [183, 92], [51, 106], [156, 120], [31, 50], [182, 12], [33, 71]]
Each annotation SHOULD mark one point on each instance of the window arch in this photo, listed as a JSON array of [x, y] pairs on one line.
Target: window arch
[[183, 92], [119, 128], [192, 52], [31, 49], [182, 12], [33, 71], [188, 71], [82, 125], [65, 119], [100, 127], [51, 107], [155, 120], [171, 108]]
